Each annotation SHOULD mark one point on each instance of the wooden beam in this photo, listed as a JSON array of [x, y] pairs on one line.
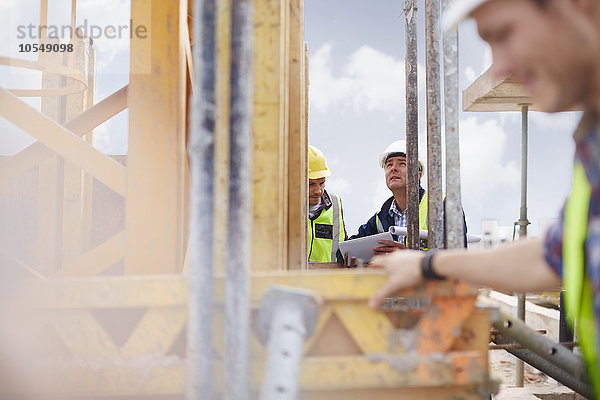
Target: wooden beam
[[62, 141], [28, 158], [155, 207], [297, 177], [269, 240], [166, 376], [97, 260], [77, 207], [488, 93], [50, 173], [171, 290]]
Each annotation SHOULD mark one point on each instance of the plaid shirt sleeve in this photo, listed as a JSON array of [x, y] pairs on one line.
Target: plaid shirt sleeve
[[553, 243]]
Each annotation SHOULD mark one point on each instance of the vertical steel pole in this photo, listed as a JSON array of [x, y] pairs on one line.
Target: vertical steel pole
[[454, 218], [434, 135], [237, 286], [523, 222], [412, 122], [201, 155]]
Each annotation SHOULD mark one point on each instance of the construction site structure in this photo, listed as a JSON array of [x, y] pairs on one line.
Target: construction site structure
[[126, 281]]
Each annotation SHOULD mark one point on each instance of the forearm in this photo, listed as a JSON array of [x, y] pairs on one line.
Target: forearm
[[519, 267]]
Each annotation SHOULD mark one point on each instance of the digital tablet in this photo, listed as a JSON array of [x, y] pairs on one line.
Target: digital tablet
[[363, 247]]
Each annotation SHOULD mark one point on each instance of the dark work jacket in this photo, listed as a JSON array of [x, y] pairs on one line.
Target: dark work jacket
[[370, 227]]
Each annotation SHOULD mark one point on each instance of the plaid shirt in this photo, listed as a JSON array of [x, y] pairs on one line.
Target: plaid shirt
[[587, 152], [400, 218]]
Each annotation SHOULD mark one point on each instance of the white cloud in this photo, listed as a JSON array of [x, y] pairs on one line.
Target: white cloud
[[470, 74], [108, 49], [102, 139], [339, 186], [370, 80], [482, 169]]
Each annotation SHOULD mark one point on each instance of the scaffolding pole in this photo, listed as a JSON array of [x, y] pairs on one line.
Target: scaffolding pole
[[523, 222], [237, 286], [453, 215], [434, 135], [412, 123], [201, 156], [561, 363]]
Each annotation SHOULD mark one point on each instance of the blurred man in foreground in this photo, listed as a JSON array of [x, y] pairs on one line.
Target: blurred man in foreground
[[553, 48]]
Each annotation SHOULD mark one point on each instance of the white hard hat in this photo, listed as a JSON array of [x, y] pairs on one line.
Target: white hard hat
[[399, 146], [458, 11]]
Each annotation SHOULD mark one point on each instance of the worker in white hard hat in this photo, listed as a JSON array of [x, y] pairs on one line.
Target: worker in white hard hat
[[553, 48], [326, 227], [393, 212]]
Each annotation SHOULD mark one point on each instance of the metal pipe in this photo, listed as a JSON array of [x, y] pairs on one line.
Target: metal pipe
[[201, 155], [453, 215], [284, 353], [541, 345], [520, 368], [286, 318], [434, 136], [516, 346], [412, 123], [523, 222], [237, 285], [555, 372]]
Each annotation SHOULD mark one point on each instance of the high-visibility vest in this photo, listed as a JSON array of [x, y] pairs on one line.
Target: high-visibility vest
[[422, 216], [326, 232], [578, 291]]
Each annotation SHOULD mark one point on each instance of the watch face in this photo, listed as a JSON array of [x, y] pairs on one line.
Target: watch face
[[323, 231]]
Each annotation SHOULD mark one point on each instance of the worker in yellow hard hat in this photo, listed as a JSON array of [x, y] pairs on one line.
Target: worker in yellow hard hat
[[326, 227]]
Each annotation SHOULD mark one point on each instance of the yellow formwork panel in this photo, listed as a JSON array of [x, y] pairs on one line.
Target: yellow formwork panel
[[376, 351]]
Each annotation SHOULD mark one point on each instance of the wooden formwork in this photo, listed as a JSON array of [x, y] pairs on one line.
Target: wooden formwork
[[125, 336], [152, 182]]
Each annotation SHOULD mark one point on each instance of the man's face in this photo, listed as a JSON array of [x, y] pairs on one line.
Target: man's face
[[551, 49], [395, 173], [316, 187]]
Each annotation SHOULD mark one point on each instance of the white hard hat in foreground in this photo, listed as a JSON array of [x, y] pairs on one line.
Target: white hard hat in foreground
[[458, 11]]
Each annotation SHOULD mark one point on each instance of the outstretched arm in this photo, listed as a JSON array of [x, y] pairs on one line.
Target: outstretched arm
[[519, 267]]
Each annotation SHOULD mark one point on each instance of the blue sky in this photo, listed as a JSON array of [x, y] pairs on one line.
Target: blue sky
[[356, 107]]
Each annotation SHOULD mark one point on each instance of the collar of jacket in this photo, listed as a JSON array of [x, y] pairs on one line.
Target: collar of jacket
[[327, 204], [385, 208]]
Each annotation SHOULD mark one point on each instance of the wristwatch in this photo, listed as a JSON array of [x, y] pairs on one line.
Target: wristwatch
[[427, 267]]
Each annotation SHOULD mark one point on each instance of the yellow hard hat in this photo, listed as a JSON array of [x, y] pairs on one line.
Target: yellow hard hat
[[317, 165]]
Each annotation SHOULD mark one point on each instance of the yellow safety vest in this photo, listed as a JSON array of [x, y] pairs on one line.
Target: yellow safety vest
[[422, 216], [578, 294], [326, 232]]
